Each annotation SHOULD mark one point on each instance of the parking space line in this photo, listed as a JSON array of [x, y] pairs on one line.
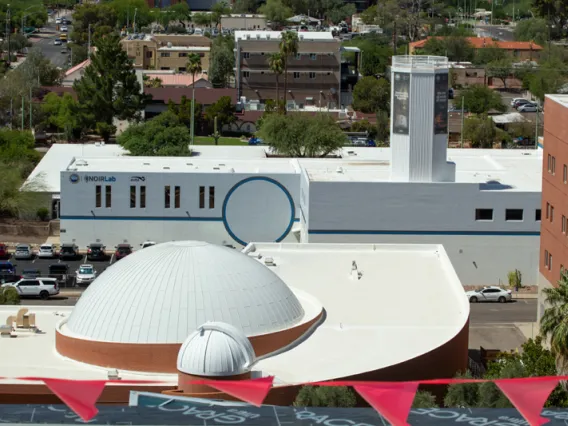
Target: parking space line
[[35, 258], [111, 259], [85, 259]]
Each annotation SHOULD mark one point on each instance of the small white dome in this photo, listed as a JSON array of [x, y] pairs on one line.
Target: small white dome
[[216, 349]]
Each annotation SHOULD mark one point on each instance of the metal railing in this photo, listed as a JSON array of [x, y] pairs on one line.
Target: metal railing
[[420, 61]]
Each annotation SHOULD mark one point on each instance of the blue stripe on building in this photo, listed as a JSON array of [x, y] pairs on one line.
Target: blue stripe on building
[[154, 218], [477, 233]]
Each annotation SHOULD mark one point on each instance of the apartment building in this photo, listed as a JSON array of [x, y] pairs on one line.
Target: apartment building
[[166, 52], [554, 224], [317, 75]]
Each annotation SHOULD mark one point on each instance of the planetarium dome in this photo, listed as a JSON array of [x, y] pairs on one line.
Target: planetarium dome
[[162, 294], [216, 349]]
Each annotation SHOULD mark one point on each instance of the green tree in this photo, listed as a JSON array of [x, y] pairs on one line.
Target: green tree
[[109, 89], [79, 53], [164, 135], [489, 54], [370, 15], [38, 70], [289, 45], [480, 131], [377, 54], [326, 396], [245, 6], [18, 43], [202, 19], [464, 395], [183, 112], [222, 61], [424, 399], [383, 127], [219, 9], [554, 322], [194, 68], [276, 64], [501, 69], [178, 13], [62, 112], [276, 12], [548, 78], [457, 49], [371, 95], [555, 12], [100, 16], [302, 135], [223, 110], [341, 13], [124, 12], [9, 296], [534, 29], [480, 99]]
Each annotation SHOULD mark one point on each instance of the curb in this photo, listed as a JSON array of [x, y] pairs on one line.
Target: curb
[[71, 293]]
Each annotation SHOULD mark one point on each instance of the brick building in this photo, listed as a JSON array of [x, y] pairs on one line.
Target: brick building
[[554, 224]]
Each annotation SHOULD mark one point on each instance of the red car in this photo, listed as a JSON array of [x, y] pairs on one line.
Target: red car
[[122, 250], [4, 253]]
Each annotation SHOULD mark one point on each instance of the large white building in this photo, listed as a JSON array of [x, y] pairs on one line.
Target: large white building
[[482, 205]]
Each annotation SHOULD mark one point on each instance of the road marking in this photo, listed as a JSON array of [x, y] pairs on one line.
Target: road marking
[[111, 259], [85, 259], [35, 258]]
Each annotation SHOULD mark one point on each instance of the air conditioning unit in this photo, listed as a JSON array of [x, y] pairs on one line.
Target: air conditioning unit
[[268, 261], [258, 36], [301, 36], [248, 36], [268, 36]]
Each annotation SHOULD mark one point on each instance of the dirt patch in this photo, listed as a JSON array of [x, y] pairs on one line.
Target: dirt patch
[[21, 231], [12, 240]]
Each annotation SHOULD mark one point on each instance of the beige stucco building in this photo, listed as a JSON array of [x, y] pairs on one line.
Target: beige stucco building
[[167, 52]]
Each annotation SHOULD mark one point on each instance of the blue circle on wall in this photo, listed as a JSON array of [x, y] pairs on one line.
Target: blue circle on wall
[[258, 209]]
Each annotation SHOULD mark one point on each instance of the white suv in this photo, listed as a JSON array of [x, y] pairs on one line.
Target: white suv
[[36, 287], [46, 251]]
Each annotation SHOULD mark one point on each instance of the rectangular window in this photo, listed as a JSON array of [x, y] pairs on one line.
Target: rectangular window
[[553, 165], [563, 224], [537, 214], [142, 197], [246, 55], [182, 69], [165, 54], [549, 163], [132, 197], [514, 214], [298, 56], [483, 214], [177, 197], [296, 74], [182, 55], [98, 196], [546, 258], [148, 54], [108, 196], [548, 210], [167, 197], [211, 197], [552, 213], [565, 174], [312, 75], [246, 74], [549, 261], [201, 197], [313, 56]]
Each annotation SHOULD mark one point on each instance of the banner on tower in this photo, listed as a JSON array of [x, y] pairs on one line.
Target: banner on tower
[[401, 103], [441, 104]]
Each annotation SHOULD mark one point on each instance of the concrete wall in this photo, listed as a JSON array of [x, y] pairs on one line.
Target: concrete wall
[[246, 208], [482, 252]]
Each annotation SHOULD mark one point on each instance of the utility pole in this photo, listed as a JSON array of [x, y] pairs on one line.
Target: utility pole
[[462, 117], [31, 111], [23, 115], [8, 29], [134, 20], [89, 42]]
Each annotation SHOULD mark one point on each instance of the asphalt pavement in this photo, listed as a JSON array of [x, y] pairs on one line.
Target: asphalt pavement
[[44, 41], [496, 32], [518, 311]]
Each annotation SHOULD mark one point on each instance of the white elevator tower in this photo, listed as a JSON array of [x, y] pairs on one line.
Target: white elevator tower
[[419, 120]]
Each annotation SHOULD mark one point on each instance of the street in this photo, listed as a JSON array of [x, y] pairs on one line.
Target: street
[[45, 42], [496, 32], [522, 310]]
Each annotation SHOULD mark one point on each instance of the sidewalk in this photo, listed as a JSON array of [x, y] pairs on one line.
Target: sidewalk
[[71, 292]]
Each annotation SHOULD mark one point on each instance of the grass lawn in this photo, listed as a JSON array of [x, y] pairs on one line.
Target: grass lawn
[[207, 140]]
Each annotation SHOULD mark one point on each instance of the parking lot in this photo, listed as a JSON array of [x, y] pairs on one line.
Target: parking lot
[[42, 265]]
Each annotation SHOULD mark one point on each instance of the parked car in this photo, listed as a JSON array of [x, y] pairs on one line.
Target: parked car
[[122, 250], [23, 252], [7, 268], [489, 294], [514, 100], [96, 251], [31, 273], [520, 102], [528, 108], [255, 141], [86, 274], [4, 252], [64, 28], [58, 20], [69, 251], [46, 251], [147, 244], [60, 272], [35, 287]]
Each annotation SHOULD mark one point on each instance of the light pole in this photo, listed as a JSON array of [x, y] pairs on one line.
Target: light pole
[[8, 30], [134, 20]]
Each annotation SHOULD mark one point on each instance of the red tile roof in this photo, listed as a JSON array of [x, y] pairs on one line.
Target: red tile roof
[[204, 96], [481, 42]]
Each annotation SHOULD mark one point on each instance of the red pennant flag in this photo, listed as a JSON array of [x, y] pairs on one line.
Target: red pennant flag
[[529, 396], [79, 395], [392, 400], [252, 391]]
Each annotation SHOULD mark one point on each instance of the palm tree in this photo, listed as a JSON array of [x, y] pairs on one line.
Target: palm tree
[[194, 68], [276, 64], [288, 47], [554, 322]]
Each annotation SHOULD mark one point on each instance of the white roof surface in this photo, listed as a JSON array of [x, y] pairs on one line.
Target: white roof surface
[[376, 321], [511, 117], [274, 35], [216, 349], [58, 158], [163, 293], [561, 99]]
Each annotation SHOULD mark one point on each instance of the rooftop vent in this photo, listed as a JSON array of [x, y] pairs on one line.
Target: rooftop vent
[[169, 44], [81, 163], [268, 36], [166, 168], [258, 36], [231, 170], [339, 170], [216, 168], [145, 164], [113, 375], [221, 165], [189, 164], [268, 261]]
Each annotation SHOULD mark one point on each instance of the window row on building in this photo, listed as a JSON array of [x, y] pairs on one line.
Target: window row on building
[[295, 74], [552, 168], [298, 57], [550, 212], [511, 215], [172, 197], [547, 260]]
